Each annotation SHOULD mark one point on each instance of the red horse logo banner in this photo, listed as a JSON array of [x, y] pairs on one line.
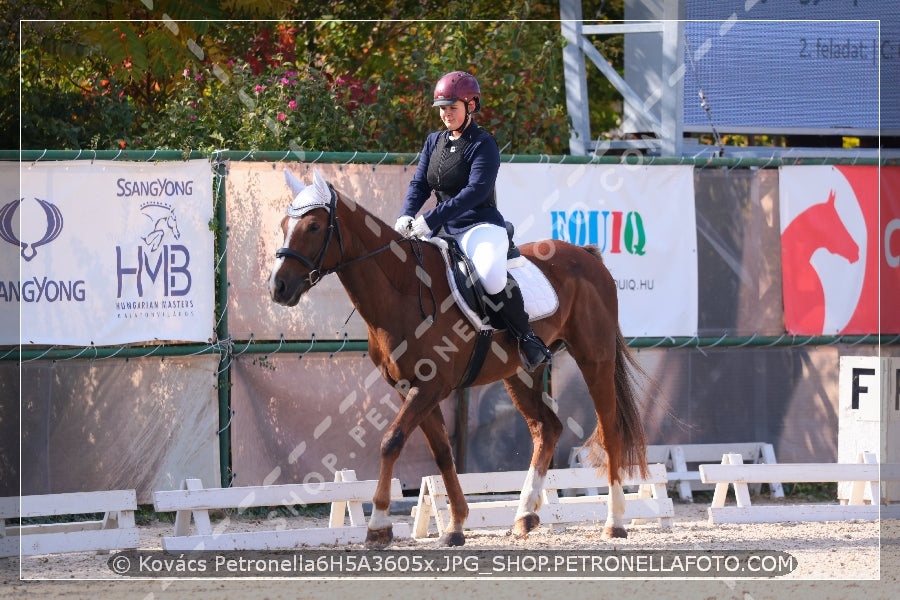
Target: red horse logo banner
[[832, 245], [889, 260]]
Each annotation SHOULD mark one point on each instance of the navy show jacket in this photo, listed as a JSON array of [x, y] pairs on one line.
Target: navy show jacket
[[471, 205]]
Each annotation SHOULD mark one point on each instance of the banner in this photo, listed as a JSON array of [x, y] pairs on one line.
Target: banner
[[641, 218], [111, 252], [889, 261], [831, 241], [9, 258]]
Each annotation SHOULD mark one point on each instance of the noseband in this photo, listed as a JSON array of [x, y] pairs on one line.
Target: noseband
[[315, 265]]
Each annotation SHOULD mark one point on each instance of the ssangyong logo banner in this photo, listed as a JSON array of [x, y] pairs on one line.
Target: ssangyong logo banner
[[111, 252], [833, 245], [641, 218]]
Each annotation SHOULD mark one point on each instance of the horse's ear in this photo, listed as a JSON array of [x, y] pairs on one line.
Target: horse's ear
[[321, 185], [295, 184]]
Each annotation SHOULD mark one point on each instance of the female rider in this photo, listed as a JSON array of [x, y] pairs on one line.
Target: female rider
[[460, 166]]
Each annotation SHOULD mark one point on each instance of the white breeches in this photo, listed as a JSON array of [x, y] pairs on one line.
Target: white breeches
[[486, 246]]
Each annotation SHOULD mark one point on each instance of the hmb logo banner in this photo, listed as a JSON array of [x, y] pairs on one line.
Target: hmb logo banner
[[110, 253], [641, 218]]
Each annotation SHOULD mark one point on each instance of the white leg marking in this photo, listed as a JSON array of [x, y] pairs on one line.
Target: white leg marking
[[379, 519], [530, 499], [616, 516]]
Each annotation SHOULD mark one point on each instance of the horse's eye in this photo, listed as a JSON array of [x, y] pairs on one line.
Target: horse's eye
[[314, 227]]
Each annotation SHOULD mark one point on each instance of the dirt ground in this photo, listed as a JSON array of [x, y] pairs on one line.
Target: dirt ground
[[833, 560]]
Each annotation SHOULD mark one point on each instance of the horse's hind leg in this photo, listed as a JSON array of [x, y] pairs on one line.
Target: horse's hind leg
[[600, 378], [615, 520], [526, 391], [436, 435]]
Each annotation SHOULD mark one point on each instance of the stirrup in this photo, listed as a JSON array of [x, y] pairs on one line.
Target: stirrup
[[539, 354]]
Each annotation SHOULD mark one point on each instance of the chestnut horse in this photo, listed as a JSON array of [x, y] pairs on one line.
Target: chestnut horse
[[422, 345]]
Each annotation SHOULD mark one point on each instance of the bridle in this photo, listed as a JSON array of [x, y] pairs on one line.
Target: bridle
[[316, 273], [315, 265]]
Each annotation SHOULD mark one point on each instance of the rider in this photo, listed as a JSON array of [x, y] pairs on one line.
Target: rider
[[460, 166]]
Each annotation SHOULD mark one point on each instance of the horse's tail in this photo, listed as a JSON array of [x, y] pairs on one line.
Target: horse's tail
[[628, 417]]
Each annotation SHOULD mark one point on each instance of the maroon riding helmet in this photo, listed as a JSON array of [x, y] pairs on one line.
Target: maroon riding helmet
[[457, 85]]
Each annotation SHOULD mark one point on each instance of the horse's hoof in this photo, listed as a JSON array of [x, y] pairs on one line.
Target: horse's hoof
[[379, 538], [526, 524], [452, 538], [614, 532]]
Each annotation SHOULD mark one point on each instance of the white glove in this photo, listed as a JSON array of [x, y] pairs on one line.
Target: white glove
[[403, 225], [419, 227]]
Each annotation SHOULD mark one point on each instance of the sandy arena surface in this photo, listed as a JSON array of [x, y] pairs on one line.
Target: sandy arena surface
[[833, 560]]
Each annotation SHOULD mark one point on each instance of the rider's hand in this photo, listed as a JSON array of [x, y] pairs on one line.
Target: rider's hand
[[419, 227], [403, 225]]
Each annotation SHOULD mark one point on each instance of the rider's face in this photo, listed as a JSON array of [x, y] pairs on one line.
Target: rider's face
[[454, 115]]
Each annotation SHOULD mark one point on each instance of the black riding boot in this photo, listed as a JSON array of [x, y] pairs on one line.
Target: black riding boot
[[510, 305]]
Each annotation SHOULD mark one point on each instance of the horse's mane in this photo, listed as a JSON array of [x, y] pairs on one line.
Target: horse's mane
[[371, 220], [594, 251]]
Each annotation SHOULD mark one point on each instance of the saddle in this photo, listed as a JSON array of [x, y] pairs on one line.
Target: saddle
[[540, 297]]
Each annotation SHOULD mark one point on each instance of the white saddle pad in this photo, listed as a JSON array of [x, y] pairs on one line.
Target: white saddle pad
[[540, 298]]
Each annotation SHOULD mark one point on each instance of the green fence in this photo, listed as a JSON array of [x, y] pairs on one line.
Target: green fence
[[227, 348]]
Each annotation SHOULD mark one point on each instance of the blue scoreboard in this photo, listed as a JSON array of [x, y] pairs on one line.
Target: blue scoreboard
[[804, 66]]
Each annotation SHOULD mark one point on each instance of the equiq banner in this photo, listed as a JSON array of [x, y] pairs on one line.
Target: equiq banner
[[641, 218], [111, 253], [833, 244]]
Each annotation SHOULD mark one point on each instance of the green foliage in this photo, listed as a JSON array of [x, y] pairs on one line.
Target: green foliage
[[811, 491], [88, 84], [605, 111], [285, 106], [74, 119], [329, 76]]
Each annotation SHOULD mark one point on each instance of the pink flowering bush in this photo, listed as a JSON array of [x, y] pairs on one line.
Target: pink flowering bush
[[283, 106]]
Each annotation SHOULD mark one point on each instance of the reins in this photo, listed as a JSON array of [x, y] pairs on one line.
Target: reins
[[316, 273], [416, 245]]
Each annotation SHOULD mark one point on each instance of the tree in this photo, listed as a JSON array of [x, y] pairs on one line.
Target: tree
[[92, 71], [147, 74]]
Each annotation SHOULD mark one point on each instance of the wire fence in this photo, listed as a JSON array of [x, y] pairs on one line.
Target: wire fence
[[227, 349], [225, 346], [377, 158]]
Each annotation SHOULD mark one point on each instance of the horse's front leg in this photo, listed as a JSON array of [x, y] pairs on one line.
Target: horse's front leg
[[436, 434], [416, 407]]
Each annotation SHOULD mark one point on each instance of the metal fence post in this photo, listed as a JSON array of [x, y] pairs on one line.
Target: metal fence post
[[220, 169]]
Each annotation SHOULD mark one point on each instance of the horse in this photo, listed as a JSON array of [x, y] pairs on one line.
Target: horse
[[421, 346]]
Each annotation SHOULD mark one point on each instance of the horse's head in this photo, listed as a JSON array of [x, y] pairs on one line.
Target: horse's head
[[841, 242], [308, 227]]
